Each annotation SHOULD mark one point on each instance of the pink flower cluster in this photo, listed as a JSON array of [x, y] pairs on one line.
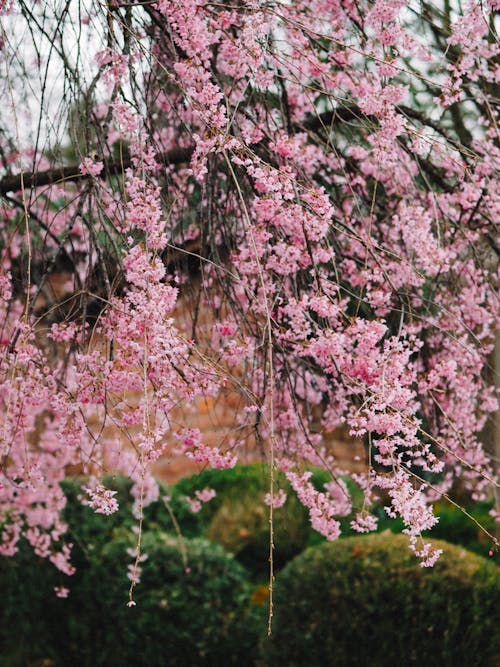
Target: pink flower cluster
[[203, 496], [321, 508], [193, 447], [90, 167], [298, 227], [101, 500]]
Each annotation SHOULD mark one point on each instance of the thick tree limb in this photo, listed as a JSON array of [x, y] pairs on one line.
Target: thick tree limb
[[16, 182], [72, 173]]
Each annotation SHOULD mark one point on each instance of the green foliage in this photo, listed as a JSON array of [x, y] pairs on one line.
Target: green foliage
[[366, 601], [30, 611], [84, 523], [241, 526], [201, 617], [193, 608], [454, 525], [364, 592], [238, 519], [228, 484]]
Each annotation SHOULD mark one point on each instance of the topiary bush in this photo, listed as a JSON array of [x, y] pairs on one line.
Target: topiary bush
[[454, 525], [366, 601], [238, 519], [86, 528], [229, 484], [85, 524], [30, 612], [241, 526], [193, 608]]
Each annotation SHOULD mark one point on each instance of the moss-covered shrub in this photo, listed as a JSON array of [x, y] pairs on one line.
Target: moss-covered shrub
[[241, 526], [201, 615], [30, 612], [454, 525], [193, 608], [238, 519], [366, 601], [229, 485]]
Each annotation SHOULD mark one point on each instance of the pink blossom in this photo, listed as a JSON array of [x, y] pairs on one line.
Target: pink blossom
[[102, 500], [61, 591], [364, 522], [278, 499], [91, 168], [321, 509], [283, 226], [205, 495]]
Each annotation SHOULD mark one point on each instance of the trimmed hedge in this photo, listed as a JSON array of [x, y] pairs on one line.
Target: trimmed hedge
[[85, 524], [366, 601], [199, 616], [208, 613], [196, 616], [241, 526], [238, 519], [203, 618], [454, 526]]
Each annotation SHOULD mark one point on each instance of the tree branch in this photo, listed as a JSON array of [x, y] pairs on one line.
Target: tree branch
[[16, 182], [36, 179]]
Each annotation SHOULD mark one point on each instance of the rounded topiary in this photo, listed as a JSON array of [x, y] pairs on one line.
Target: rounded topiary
[[84, 523], [454, 525], [229, 484], [193, 607], [241, 526], [366, 601], [86, 528], [238, 519], [29, 610]]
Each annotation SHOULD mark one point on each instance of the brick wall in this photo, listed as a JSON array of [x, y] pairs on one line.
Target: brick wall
[[215, 417]]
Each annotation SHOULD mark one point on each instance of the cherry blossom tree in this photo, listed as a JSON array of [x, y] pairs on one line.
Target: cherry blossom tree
[[313, 183]]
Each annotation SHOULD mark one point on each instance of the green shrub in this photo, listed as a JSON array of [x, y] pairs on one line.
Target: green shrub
[[454, 525], [86, 529], [238, 519], [29, 610], [85, 524], [199, 616], [195, 616], [229, 485], [366, 601], [241, 526]]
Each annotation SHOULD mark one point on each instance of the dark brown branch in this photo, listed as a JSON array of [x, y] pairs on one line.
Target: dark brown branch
[[72, 173], [16, 182]]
